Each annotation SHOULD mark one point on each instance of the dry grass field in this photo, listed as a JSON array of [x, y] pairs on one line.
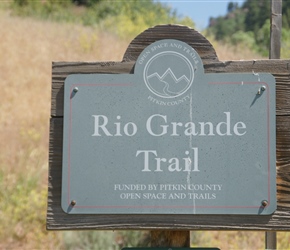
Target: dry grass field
[[27, 48]]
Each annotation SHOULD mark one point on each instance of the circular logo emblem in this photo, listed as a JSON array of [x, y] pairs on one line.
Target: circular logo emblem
[[168, 74]]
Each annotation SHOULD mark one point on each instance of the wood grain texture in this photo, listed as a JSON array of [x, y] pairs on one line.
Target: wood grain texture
[[183, 33], [280, 220], [276, 29], [163, 238]]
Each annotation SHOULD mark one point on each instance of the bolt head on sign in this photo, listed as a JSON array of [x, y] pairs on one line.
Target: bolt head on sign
[[169, 138]]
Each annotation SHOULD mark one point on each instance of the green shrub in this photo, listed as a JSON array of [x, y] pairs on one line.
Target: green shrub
[[285, 44], [124, 18], [95, 240]]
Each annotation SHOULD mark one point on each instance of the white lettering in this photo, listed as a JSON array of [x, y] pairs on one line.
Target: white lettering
[[190, 129], [227, 123], [149, 125], [101, 126], [173, 164], [158, 125], [101, 122], [202, 129], [146, 158], [133, 128], [174, 128], [237, 127]]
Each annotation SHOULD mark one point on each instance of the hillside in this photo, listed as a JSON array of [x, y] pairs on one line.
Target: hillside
[[27, 50], [248, 23]]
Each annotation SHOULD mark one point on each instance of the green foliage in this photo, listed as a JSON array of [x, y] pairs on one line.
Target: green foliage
[[224, 26], [285, 44], [22, 192], [263, 38], [249, 23], [86, 2], [131, 18], [50, 9], [244, 39], [257, 13], [95, 240], [286, 14], [21, 2], [124, 18], [232, 6], [26, 202]]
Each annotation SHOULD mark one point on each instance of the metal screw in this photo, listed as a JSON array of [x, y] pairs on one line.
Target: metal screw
[[264, 203], [73, 202], [75, 90], [263, 88]]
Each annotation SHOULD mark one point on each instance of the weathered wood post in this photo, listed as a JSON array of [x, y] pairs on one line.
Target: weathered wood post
[[170, 238], [274, 53], [276, 29], [121, 159]]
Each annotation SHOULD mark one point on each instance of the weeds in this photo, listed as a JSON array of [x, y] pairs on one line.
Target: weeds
[[27, 49], [123, 18]]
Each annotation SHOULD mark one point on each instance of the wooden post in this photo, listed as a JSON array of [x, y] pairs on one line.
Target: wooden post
[[271, 240], [276, 28], [274, 53], [170, 238]]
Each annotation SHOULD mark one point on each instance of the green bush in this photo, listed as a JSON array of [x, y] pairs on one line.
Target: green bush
[[285, 44], [95, 240], [246, 39], [124, 18]]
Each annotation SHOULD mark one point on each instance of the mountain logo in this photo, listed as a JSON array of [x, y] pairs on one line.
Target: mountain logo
[[168, 74]]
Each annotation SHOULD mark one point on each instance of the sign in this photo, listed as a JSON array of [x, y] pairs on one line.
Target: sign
[[169, 139]]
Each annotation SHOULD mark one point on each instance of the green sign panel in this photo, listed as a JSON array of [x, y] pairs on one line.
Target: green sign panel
[[169, 139]]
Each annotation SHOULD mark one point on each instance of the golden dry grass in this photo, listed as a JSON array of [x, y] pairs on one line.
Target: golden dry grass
[[227, 52], [27, 49]]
